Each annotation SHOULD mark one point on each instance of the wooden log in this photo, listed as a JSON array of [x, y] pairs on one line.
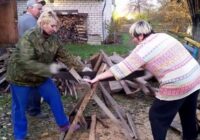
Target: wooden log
[[98, 63], [92, 134], [105, 109], [83, 122], [68, 87], [132, 84], [115, 58], [74, 110], [102, 68], [120, 112], [132, 125], [75, 75], [115, 86], [93, 59], [126, 88], [82, 107], [106, 58]]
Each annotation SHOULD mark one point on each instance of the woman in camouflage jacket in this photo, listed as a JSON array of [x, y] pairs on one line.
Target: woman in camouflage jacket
[[30, 67]]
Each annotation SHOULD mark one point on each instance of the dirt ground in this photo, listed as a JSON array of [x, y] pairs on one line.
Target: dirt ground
[[138, 106], [46, 129]]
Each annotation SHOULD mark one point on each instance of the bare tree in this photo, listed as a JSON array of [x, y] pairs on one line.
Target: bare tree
[[138, 5]]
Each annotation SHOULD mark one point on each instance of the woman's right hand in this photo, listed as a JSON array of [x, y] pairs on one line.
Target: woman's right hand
[[96, 79]]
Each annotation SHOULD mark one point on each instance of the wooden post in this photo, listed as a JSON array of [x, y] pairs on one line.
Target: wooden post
[[93, 127]]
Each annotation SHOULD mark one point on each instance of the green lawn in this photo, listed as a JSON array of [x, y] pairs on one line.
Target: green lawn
[[85, 50]]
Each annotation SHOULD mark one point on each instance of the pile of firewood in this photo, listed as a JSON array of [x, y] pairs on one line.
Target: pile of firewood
[[73, 29]]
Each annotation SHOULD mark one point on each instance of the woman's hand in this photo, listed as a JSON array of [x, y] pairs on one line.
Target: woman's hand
[[96, 79]]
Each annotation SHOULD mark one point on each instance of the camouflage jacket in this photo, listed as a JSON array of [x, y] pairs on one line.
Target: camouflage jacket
[[29, 63]]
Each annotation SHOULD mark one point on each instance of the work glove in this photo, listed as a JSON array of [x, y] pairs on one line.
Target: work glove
[[55, 68]]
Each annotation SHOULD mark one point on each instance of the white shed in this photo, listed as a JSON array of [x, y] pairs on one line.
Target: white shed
[[97, 15]]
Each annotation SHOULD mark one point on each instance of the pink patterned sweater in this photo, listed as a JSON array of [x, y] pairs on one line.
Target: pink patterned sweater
[[167, 59]]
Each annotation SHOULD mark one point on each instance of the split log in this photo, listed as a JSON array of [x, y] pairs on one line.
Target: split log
[[98, 62], [93, 59], [105, 109], [126, 88], [132, 125], [115, 86], [115, 58], [92, 134]]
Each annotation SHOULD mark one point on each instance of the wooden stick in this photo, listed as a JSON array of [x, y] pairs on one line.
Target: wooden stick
[[125, 87], [82, 107], [93, 127], [120, 112], [98, 63], [132, 125], [83, 122], [105, 108]]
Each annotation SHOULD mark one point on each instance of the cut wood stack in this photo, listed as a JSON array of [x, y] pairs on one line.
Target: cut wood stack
[[73, 28]]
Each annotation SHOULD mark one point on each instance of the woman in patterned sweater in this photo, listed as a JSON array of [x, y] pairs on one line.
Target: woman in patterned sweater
[[177, 72]]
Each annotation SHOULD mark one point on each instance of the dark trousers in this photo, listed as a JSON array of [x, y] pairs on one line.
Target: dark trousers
[[34, 105], [162, 113]]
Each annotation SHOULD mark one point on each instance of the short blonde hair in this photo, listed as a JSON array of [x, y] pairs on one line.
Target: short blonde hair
[[47, 16], [140, 28]]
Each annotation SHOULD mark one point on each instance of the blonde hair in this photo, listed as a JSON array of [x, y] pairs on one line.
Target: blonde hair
[[47, 16], [140, 28]]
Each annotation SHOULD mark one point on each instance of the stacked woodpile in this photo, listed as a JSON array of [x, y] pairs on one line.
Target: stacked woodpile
[[73, 28]]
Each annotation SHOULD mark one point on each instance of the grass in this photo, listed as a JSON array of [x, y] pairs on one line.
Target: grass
[[85, 50]]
